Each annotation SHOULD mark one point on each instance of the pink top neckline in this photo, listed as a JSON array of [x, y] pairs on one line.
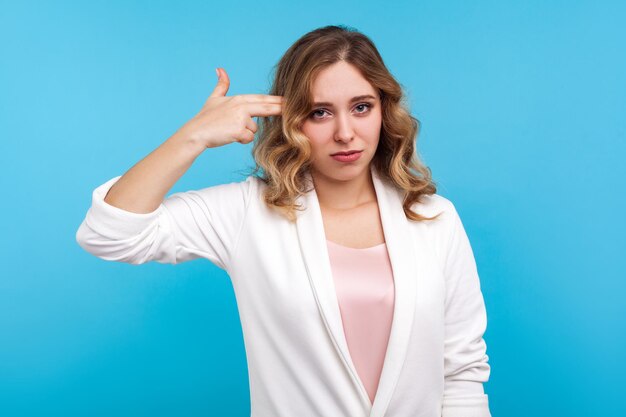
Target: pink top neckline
[[357, 249]]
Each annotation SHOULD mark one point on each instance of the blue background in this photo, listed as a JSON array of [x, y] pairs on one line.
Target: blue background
[[522, 107]]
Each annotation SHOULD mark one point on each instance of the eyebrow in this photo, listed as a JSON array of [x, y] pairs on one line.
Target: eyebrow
[[352, 100]]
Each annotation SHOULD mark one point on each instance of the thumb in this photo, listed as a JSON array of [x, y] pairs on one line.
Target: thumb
[[223, 83]]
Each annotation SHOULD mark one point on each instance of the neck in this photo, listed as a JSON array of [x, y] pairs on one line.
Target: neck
[[344, 195]]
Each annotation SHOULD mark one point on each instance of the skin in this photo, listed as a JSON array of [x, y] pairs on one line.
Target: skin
[[343, 126]]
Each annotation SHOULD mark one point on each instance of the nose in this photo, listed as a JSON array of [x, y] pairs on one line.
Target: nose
[[344, 132]]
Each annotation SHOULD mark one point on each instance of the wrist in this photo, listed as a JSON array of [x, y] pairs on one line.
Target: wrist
[[189, 141]]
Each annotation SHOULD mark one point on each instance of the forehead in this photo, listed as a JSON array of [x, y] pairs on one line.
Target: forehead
[[339, 83]]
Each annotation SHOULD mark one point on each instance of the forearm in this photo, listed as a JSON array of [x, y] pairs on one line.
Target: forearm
[[144, 186]]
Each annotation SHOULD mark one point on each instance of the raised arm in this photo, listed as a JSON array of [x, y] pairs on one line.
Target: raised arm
[[221, 120], [130, 220]]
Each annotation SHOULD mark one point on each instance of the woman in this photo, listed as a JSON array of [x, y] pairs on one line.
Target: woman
[[356, 284]]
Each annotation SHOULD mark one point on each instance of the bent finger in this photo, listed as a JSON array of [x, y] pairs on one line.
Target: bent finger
[[252, 125]]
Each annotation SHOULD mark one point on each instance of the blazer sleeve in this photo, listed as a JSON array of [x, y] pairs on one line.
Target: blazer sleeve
[[466, 364], [187, 225]]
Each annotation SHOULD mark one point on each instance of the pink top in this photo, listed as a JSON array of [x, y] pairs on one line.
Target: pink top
[[365, 291]]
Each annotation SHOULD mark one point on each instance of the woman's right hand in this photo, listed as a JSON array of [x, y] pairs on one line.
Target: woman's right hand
[[223, 120]]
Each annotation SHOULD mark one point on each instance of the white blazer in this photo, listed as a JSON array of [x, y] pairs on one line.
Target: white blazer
[[298, 359]]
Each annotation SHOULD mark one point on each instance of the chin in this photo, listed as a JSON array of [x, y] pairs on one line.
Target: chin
[[346, 173]]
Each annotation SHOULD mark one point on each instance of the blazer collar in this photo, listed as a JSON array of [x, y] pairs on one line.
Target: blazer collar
[[400, 247]]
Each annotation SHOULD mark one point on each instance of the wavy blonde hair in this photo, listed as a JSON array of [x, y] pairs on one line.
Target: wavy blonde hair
[[283, 152]]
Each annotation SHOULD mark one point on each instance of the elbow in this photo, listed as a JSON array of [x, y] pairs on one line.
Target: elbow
[[135, 250], [105, 248]]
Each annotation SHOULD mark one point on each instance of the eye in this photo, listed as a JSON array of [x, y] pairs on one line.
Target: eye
[[367, 106], [313, 113]]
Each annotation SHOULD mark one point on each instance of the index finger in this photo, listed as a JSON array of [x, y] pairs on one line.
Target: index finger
[[264, 109], [262, 98]]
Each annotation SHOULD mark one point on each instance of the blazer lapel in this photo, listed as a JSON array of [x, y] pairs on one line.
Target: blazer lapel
[[312, 239]]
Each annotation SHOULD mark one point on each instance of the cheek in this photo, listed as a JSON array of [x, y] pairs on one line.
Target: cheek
[[371, 128], [317, 134], [375, 120]]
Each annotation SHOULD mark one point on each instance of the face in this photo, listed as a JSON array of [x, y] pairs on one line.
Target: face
[[346, 116]]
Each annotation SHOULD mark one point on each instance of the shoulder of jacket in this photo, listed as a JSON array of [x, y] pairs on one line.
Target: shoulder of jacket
[[431, 204]]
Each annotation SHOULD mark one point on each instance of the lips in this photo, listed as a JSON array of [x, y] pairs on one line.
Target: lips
[[345, 153]]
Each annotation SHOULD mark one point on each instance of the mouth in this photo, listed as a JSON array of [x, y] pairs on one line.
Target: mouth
[[346, 152]]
